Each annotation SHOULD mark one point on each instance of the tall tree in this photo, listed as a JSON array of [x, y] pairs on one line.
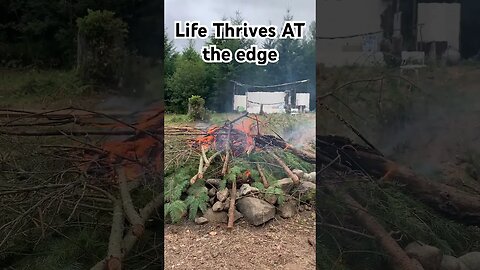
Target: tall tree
[[222, 91], [44, 32], [189, 78]]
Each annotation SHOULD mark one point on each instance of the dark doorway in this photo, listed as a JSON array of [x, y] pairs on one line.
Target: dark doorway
[[470, 28]]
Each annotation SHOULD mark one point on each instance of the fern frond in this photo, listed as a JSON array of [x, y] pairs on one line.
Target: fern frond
[[176, 210]]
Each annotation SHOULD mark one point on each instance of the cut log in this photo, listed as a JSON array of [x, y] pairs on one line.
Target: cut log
[[455, 203]]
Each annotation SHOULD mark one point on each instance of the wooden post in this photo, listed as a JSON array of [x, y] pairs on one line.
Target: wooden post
[[231, 210]]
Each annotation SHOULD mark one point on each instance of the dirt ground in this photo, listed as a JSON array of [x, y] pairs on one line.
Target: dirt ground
[[280, 244]]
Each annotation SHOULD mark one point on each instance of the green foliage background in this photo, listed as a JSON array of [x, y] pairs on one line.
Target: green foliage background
[[43, 33], [186, 74]]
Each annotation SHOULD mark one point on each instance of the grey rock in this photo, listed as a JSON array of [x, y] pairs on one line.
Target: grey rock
[[255, 211], [307, 186], [212, 192], [213, 182], [471, 260], [452, 263], [286, 184], [430, 257], [246, 189], [270, 198], [310, 177], [215, 217], [212, 201], [201, 220], [287, 209], [222, 194], [237, 215], [306, 191], [298, 172], [226, 204], [217, 207]]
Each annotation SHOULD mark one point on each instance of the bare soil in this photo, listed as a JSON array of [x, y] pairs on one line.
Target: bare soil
[[279, 244]]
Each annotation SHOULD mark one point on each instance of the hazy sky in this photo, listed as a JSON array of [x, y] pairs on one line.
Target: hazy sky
[[254, 11]]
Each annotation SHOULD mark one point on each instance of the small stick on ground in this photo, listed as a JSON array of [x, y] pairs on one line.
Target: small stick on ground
[[262, 176], [231, 210], [287, 170]]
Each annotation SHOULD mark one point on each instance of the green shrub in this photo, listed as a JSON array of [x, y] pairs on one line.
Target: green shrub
[[196, 108], [101, 48]]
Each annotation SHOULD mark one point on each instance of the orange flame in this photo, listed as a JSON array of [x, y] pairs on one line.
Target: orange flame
[[246, 142], [247, 126], [137, 153]]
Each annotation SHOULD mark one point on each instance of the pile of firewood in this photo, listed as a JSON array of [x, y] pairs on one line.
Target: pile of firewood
[[113, 155], [238, 137]]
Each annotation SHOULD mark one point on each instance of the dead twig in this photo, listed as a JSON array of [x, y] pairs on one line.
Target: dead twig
[[352, 128]]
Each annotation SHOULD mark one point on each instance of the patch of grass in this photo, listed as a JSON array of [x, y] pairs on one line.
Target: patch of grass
[[34, 88], [173, 119]]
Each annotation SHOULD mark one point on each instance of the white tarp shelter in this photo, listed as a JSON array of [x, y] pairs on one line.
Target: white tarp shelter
[[273, 102], [239, 102], [303, 99], [439, 22]]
